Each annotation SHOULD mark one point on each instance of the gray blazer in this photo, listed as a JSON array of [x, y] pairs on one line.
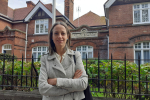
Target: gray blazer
[[66, 87]]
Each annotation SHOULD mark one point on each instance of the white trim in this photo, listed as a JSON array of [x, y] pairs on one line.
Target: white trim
[[87, 51], [140, 9], [141, 50], [6, 49], [34, 10], [109, 3], [39, 26], [26, 41]]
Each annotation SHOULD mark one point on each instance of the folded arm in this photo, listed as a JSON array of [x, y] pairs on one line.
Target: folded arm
[[79, 84], [45, 88]]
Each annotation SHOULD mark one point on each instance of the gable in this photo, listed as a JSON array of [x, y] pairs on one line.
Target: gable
[[35, 9], [40, 14]]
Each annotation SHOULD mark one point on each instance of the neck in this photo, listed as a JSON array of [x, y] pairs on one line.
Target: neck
[[60, 51]]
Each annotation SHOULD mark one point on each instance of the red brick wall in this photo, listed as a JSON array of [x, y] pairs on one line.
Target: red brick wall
[[20, 26], [121, 14], [4, 6], [3, 24], [122, 37]]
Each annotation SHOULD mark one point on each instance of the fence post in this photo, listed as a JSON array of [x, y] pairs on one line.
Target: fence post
[[32, 69], [3, 71], [125, 75], [111, 75], [12, 72], [86, 64], [98, 73], [139, 62], [22, 70]]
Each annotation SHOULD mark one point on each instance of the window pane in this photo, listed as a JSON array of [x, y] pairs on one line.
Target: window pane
[[37, 28], [44, 49], [34, 56], [37, 21], [89, 54], [39, 54], [34, 49], [46, 28], [146, 45], [41, 21], [83, 55], [137, 16], [139, 45], [146, 56], [145, 16], [42, 28], [136, 6], [78, 48], [43, 13], [144, 5], [39, 48], [90, 48], [84, 48], [137, 53]]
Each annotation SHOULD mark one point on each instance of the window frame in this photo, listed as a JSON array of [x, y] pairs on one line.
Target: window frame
[[141, 12], [39, 26], [36, 59], [87, 51], [142, 51], [6, 49]]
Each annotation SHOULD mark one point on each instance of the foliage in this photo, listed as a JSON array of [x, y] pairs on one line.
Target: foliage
[[118, 72], [8, 57]]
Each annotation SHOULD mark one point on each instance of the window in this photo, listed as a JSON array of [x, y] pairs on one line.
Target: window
[[41, 26], [142, 50], [38, 51], [6, 48], [85, 50], [141, 13]]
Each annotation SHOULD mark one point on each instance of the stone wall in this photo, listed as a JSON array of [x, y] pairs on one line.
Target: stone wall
[[34, 95]]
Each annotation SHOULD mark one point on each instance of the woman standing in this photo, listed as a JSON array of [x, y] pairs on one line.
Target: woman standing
[[60, 77]]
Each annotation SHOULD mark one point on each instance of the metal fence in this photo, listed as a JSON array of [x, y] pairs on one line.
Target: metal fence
[[112, 78]]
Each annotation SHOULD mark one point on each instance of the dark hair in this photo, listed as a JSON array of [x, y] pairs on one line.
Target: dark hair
[[51, 45]]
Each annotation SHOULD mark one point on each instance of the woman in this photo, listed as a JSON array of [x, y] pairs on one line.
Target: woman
[[60, 77]]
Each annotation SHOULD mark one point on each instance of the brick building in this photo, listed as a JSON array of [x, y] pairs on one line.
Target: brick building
[[129, 28], [25, 30]]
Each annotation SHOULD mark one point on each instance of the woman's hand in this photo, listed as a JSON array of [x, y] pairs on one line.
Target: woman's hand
[[78, 74], [52, 81]]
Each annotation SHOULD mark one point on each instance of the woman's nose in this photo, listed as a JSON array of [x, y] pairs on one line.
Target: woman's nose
[[59, 35]]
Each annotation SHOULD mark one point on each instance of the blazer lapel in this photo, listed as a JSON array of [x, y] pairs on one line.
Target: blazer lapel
[[56, 64], [67, 62]]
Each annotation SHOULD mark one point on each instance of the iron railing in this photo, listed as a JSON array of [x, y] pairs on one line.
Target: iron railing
[[101, 78]]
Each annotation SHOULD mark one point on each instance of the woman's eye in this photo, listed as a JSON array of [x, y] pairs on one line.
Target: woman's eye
[[56, 33], [63, 33]]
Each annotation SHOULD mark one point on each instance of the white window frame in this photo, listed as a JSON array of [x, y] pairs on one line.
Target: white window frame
[[39, 26], [142, 51], [6, 49], [86, 50], [141, 13], [38, 51]]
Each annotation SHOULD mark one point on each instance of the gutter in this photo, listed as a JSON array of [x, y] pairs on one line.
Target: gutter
[[108, 46], [26, 42]]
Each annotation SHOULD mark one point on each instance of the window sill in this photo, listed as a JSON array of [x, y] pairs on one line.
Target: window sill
[[141, 24], [40, 34]]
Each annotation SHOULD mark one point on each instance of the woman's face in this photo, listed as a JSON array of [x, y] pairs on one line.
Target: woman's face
[[59, 36]]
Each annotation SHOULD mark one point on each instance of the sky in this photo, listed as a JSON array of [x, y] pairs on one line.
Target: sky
[[85, 6]]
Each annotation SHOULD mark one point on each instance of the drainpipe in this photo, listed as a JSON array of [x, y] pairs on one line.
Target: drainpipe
[[26, 41], [54, 12], [108, 46]]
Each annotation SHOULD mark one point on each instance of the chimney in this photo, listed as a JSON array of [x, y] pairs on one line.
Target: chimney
[[30, 4], [3, 7], [69, 5]]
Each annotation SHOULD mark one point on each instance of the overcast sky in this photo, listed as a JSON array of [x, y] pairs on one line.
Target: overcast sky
[[95, 6]]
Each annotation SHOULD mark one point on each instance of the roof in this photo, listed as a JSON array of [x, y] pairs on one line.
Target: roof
[[90, 19], [21, 13]]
